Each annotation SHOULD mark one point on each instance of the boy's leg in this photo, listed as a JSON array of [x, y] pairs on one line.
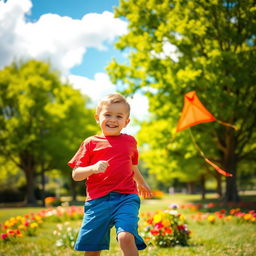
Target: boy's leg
[[96, 253], [126, 223], [127, 244], [94, 235]]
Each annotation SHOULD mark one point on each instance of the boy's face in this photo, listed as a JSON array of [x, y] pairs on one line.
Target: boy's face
[[112, 118]]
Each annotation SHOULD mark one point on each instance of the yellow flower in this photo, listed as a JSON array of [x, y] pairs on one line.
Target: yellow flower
[[211, 218], [38, 218], [157, 218], [229, 217], [7, 223], [12, 219], [20, 218], [33, 225], [181, 218], [247, 216], [22, 227], [166, 223]]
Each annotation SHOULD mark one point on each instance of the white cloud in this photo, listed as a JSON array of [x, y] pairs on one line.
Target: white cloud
[[61, 40], [11, 15], [139, 106], [139, 111], [168, 51], [96, 89]]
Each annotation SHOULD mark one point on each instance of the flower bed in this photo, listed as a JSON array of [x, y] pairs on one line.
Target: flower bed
[[165, 229], [208, 213], [223, 216], [27, 225], [213, 206]]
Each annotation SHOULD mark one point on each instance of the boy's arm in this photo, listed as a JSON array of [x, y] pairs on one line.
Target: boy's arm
[[82, 173], [143, 188]]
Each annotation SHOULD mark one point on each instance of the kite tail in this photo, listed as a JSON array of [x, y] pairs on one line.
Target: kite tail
[[227, 124], [217, 168]]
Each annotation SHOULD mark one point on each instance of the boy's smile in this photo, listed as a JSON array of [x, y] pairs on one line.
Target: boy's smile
[[112, 118]]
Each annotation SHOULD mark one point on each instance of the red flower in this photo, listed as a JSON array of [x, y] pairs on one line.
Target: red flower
[[168, 230], [154, 232], [17, 232], [181, 227], [11, 232], [150, 221], [220, 216]]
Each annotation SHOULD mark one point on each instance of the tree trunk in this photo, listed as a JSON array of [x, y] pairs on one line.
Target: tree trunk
[[28, 166], [202, 182], [230, 161], [231, 188], [30, 195], [191, 187], [73, 190], [43, 186], [219, 187]]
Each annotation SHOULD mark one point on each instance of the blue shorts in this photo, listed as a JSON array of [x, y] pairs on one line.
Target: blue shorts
[[101, 214]]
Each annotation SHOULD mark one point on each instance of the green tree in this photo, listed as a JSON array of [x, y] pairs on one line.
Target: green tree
[[11, 176], [208, 46], [42, 120]]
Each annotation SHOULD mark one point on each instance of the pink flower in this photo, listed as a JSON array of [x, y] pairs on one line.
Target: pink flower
[[159, 225], [4, 236], [210, 205], [27, 223]]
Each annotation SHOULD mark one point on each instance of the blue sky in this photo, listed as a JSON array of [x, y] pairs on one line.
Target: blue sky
[[76, 36], [95, 60], [73, 8]]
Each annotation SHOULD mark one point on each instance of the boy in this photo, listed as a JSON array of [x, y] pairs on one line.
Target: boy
[[108, 163]]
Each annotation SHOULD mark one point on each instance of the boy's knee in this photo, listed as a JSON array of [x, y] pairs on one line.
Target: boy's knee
[[96, 253], [125, 238]]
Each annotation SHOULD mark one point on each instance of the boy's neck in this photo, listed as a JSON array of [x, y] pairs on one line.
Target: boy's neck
[[104, 135]]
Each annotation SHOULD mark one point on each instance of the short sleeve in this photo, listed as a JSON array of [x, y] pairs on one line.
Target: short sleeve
[[81, 158], [135, 156]]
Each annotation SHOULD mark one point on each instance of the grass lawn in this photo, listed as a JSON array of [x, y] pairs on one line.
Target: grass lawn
[[230, 238]]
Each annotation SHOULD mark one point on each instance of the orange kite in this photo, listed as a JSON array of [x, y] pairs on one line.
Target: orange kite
[[194, 113]]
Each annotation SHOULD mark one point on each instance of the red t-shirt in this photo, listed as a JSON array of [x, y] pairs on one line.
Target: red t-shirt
[[120, 152]]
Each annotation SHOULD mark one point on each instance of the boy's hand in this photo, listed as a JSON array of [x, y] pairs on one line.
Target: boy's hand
[[100, 166], [144, 190]]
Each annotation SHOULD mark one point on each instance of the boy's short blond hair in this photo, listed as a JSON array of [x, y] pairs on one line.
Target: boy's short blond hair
[[111, 99]]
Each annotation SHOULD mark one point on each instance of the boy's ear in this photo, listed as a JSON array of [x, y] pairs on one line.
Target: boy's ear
[[127, 121], [96, 117]]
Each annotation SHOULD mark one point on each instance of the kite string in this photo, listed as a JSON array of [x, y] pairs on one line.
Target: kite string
[[217, 168], [227, 124], [197, 147]]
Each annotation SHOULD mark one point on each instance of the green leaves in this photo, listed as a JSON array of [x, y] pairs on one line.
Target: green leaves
[[42, 120]]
